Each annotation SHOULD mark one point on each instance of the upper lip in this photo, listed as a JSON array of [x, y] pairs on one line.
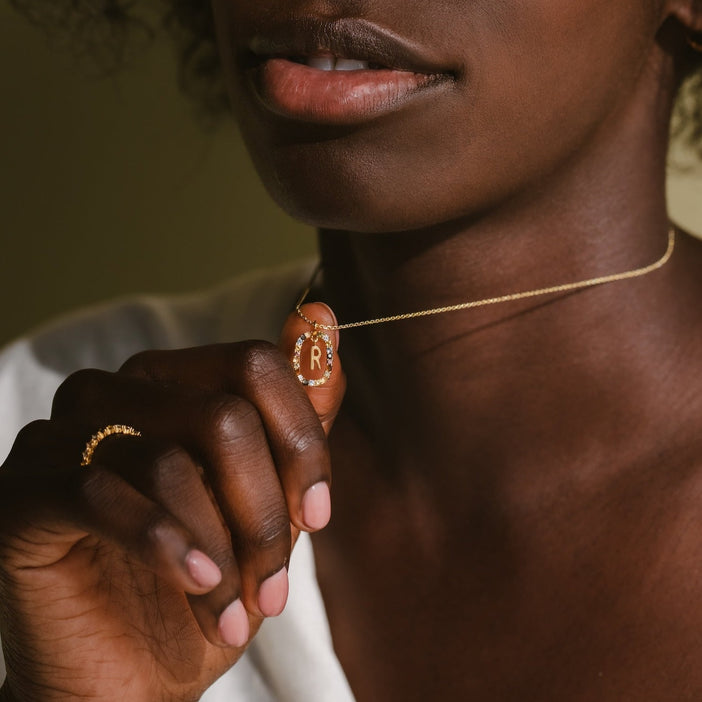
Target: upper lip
[[349, 38]]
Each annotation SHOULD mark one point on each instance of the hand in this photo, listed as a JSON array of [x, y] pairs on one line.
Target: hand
[[144, 575]]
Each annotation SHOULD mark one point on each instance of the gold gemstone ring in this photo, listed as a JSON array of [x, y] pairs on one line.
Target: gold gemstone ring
[[96, 438]]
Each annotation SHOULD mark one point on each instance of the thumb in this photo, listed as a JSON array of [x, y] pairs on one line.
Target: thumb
[[325, 395]]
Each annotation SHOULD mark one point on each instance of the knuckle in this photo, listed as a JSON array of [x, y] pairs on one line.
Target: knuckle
[[29, 450], [81, 389], [141, 364], [261, 360], [272, 533], [33, 449], [307, 441], [233, 420], [30, 435]]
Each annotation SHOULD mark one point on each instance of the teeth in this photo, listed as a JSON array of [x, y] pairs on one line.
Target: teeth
[[351, 65], [331, 63], [322, 63]]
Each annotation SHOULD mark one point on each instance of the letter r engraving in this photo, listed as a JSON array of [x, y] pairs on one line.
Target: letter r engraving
[[315, 357]]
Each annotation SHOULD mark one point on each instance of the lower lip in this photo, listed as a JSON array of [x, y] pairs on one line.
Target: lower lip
[[299, 92]]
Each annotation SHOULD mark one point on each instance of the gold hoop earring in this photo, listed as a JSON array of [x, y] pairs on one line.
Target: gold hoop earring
[[694, 40]]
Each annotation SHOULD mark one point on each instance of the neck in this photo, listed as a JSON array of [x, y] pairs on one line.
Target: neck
[[551, 376]]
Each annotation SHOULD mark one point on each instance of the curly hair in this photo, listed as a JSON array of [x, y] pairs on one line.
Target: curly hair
[[109, 32], [105, 30]]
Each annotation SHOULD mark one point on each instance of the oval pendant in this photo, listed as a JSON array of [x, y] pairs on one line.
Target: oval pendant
[[318, 355]]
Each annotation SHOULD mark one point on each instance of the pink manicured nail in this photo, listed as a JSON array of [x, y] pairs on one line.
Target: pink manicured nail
[[203, 570], [234, 625], [273, 594], [316, 506]]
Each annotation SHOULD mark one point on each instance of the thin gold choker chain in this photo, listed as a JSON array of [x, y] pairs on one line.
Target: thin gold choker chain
[[567, 287]]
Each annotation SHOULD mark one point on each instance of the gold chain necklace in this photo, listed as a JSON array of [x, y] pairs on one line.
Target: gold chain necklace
[[318, 330]]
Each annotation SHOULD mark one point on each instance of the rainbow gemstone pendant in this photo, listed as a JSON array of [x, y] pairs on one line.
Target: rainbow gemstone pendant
[[320, 348]]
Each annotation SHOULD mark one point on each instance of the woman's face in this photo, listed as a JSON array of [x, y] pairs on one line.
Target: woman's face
[[463, 105]]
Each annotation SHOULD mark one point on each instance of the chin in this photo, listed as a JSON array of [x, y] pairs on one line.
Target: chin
[[352, 212], [331, 186], [344, 211]]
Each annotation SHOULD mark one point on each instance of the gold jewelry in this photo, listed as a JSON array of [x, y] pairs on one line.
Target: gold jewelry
[[95, 439], [315, 353], [316, 334], [694, 40]]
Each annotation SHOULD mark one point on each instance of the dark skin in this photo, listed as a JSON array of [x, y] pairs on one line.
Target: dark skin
[[554, 544], [234, 444], [523, 510], [516, 488]]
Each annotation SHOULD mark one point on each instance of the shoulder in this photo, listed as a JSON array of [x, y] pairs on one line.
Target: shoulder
[[253, 305]]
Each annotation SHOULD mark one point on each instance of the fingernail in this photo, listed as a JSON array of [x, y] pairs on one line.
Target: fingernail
[[273, 594], [316, 506], [332, 317], [202, 569], [234, 625]]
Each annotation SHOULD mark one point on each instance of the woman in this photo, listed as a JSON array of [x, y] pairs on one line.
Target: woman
[[516, 486]]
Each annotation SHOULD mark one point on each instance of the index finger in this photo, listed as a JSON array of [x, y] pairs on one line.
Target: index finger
[[261, 375]]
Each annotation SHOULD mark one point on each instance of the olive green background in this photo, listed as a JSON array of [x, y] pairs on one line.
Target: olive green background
[[109, 186]]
